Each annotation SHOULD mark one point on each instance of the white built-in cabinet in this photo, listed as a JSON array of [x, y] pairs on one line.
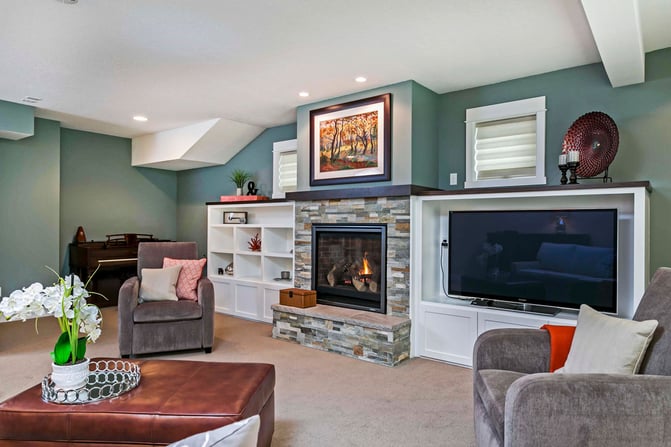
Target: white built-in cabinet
[[255, 283], [447, 331], [445, 328]]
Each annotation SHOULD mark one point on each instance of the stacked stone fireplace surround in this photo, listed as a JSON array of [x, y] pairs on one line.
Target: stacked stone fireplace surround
[[369, 336]]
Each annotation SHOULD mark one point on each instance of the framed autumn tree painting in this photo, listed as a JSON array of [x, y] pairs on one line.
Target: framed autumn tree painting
[[351, 142]]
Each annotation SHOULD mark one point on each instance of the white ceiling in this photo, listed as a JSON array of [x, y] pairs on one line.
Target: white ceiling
[[97, 63]]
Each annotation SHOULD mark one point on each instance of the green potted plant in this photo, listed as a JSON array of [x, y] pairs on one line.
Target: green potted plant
[[240, 177]]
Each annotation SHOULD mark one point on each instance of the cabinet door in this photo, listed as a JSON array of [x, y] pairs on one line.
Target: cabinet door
[[270, 296], [246, 301], [448, 334], [498, 320], [224, 297]]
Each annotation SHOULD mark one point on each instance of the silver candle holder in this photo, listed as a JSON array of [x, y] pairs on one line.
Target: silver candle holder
[[569, 161]]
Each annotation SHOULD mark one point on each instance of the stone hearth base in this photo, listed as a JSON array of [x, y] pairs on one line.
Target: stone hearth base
[[368, 336]]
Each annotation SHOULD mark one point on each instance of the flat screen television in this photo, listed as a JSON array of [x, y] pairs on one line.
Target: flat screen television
[[534, 260]]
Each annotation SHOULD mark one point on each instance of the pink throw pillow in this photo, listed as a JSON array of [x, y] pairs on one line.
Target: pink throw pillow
[[191, 272]]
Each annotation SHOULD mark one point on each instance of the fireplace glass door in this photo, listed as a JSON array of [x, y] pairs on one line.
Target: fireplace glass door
[[349, 265]]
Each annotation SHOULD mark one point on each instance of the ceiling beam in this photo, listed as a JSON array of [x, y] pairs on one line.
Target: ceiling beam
[[616, 29]]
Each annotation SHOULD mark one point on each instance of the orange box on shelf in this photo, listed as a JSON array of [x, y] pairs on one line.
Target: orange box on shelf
[[298, 297], [242, 198]]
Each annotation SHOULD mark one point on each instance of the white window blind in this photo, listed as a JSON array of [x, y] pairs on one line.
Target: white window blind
[[505, 148], [288, 171], [285, 168], [505, 144]]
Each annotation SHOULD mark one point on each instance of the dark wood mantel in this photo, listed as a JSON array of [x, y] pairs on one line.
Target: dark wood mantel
[[416, 190], [361, 193]]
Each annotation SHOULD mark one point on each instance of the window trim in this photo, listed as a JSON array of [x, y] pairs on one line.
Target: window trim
[[502, 111]]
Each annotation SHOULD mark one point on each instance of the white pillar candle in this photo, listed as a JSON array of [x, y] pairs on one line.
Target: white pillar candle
[[562, 159], [573, 156]]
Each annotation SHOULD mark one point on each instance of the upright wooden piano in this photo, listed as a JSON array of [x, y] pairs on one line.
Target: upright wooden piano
[[115, 259]]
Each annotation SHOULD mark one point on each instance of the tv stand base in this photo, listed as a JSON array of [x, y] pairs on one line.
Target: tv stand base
[[516, 307]]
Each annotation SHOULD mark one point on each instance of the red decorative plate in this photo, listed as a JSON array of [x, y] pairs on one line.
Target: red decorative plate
[[595, 135]]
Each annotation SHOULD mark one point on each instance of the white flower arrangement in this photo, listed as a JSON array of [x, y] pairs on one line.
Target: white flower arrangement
[[66, 301]]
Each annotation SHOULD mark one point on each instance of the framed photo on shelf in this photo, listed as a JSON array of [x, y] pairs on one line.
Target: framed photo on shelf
[[351, 142]]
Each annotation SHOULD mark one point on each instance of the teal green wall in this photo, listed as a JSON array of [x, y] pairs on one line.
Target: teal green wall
[[29, 200], [18, 118], [642, 113], [425, 118], [103, 193], [197, 186]]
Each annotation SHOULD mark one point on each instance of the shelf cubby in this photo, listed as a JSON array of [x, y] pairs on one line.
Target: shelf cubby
[[278, 240], [273, 266], [216, 261], [220, 238], [247, 266], [243, 236]]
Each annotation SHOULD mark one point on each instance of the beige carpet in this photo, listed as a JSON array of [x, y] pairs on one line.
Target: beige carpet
[[321, 399]]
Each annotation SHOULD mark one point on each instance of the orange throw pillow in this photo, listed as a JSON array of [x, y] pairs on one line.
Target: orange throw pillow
[[560, 344], [192, 270]]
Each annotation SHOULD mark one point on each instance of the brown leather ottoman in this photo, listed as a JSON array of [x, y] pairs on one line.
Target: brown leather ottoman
[[174, 399]]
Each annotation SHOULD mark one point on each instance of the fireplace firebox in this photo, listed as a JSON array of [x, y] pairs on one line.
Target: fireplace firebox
[[349, 265]]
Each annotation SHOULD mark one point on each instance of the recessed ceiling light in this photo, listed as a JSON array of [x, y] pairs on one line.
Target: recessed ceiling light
[[140, 118], [303, 94], [360, 79]]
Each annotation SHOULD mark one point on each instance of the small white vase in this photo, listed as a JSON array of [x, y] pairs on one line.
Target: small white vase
[[70, 377], [238, 191]]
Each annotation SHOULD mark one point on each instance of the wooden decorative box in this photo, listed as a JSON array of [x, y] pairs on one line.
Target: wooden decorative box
[[298, 297], [242, 198]]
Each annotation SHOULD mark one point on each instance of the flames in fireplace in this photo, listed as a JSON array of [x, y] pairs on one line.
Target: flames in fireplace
[[359, 274], [366, 267], [365, 280]]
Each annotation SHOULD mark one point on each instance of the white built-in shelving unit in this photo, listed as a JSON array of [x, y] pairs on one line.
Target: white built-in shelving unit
[[255, 283], [445, 328]]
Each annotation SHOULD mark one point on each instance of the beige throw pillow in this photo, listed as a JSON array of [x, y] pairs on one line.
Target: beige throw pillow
[[243, 433], [605, 344], [159, 284]]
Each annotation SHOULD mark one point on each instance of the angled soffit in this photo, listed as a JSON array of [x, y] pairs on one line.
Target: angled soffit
[[209, 143]]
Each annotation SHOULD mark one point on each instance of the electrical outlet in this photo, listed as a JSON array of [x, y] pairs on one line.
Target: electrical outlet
[[453, 178]]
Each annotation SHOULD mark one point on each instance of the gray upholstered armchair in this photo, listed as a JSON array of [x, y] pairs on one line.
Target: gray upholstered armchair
[[159, 326], [517, 403]]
